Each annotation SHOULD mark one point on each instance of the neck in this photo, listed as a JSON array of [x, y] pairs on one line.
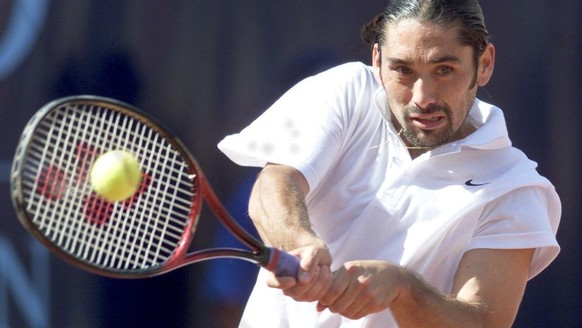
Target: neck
[[415, 151]]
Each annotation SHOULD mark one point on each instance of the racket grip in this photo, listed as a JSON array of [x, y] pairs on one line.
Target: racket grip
[[282, 263]]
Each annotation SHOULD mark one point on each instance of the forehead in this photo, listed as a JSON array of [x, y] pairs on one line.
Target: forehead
[[412, 40]]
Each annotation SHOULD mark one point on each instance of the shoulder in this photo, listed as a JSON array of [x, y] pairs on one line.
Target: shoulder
[[355, 74], [344, 89], [352, 68]]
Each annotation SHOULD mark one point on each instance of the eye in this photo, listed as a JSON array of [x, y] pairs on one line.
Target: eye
[[403, 70], [444, 70]]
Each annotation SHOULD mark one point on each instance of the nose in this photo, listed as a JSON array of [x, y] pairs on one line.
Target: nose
[[423, 93]]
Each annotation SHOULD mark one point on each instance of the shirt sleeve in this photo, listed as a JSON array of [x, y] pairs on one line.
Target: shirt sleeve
[[304, 129], [524, 218]]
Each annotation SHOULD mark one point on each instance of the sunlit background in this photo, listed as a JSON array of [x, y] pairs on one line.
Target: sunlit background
[[206, 69]]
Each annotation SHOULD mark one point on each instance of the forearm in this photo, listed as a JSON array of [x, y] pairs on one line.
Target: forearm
[[277, 208], [364, 287], [488, 287], [419, 305]]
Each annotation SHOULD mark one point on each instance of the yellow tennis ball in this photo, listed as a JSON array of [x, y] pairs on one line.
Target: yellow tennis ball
[[115, 175]]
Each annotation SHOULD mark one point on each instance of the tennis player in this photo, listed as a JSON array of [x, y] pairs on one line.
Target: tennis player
[[397, 187]]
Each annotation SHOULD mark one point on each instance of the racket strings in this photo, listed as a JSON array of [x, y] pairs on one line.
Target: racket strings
[[157, 217]]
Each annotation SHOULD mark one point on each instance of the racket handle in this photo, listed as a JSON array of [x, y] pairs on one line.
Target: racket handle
[[282, 263]]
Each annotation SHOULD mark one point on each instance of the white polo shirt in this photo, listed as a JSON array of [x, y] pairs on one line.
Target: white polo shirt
[[369, 200]]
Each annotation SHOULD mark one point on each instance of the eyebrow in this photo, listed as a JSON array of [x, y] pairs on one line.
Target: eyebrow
[[437, 60]]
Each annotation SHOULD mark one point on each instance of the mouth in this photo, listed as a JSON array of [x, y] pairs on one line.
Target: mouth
[[428, 122]]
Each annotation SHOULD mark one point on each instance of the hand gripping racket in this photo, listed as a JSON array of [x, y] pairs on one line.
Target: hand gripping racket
[[148, 234]]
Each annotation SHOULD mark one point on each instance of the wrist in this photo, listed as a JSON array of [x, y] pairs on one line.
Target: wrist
[[406, 281], [309, 239]]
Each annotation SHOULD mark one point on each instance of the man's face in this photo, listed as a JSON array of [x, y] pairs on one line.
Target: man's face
[[431, 81]]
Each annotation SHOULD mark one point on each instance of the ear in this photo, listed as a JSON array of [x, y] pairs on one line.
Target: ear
[[377, 62], [486, 65]]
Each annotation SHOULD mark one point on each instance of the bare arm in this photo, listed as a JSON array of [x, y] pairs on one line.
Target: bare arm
[[278, 210], [488, 288], [495, 279], [277, 207]]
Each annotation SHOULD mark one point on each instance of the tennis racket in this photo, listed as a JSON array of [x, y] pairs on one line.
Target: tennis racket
[[146, 235]]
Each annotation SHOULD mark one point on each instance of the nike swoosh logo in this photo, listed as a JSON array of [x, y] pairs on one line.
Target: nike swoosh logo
[[471, 184]]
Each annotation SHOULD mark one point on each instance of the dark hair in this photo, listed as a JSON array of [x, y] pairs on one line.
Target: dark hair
[[466, 14]]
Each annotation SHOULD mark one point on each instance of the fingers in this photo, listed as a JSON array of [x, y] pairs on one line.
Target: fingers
[[314, 277], [339, 288], [313, 256], [352, 305], [281, 282], [360, 309], [311, 289], [359, 288], [319, 285], [308, 290]]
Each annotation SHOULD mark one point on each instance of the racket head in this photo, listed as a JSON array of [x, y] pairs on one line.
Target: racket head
[[143, 236]]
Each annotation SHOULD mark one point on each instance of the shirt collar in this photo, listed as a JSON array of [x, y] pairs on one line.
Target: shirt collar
[[491, 130]]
